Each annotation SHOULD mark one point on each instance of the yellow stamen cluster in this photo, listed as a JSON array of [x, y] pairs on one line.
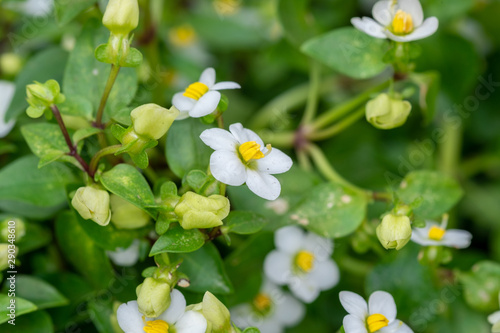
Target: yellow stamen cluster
[[402, 23], [262, 302], [250, 151], [156, 326], [305, 261], [436, 233], [376, 321], [196, 90]]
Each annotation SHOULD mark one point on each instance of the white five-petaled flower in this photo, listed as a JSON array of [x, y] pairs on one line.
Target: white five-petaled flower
[[271, 311], [241, 157], [302, 261], [125, 257], [436, 234], [494, 319], [175, 318], [379, 315], [399, 20], [201, 98], [7, 90]]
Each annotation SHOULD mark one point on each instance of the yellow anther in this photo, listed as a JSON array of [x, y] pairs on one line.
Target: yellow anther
[[402, 23], [436, 233], [262, 302], [196, 90], [305, 261], [250, 151], [156, 326], [376, 321]]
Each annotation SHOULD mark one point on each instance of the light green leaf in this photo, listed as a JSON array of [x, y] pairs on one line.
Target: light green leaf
[[244, 222], [77, 106], [22, 307], [84, 133], [36, 237], [349, 51], [251, 330], [36, 322], [66, 11], [45, 141], [178, 240], [293, 15], [38, 292]]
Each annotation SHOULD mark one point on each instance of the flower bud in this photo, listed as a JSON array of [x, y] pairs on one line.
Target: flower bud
[[386, 112], [153, 121], [216, 314], [10, 64], [197, 211], [153, 297], [5, 250], [41, 96], [394, 231], [125, 215], [14, 227], [121, 16], [92, 203]]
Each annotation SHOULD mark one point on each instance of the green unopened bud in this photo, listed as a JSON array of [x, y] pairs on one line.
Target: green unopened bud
[[7, 252], [125, 215], [153, 121], [121, 16], [386, 112], [41, 96], [394, 231], [12, 228], [153, 297], [216, 314], [10, 64], [92, 203], [197, 211]]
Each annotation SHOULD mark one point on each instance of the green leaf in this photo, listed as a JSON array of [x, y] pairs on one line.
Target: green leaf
[[330, 210], [36, 237], [66, 11], [185, 150], [205, 270], [294, 17], [127, 182], [36, 322], [101, 312], [84, 133], [77, 106], [38, 292], [22, 307], [79, 249], [349, 51], [46, 65], [45, 141], [31, 192], [438, 192], [178, 240], [244, 222], [251, 330], [481, 286]]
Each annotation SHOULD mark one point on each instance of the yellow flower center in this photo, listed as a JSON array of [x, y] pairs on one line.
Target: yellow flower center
[[436, 233], [262, 302], [305, 261], [196, 90], [250, 151], [376, 321], [402, 23], [156, 326], [183, 35]]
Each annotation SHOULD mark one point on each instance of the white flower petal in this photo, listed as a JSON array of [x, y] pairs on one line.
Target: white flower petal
[[7, 90], [369, 26], [275, 162], [264, 185], [208, 77], [325, 274], [227, 168], [270, 326], [289, 239], [244, 135], [414, 8], [129, 318], [225, 85], [429, 27], [304, 289], [354, 304], [396, 326], [205, 105], [456, 238], [494, 318], [289, 311], [176, 308], [219, 139], [241, 314], [277, 267], [182, 115], [382, 12], [353, 324], [191, 322], [383, 303], [125, 257], [321, 247], [183, 103]]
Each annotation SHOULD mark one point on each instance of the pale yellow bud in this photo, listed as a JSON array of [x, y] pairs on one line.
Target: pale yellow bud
[[197, 211], [394, 231], [92, 203], [153, 297], [126, 215], [153, 121], [385, 112], [121, 16]]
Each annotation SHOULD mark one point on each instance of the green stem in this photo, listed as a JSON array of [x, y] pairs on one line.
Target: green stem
[[100, 154], [107, 90], [312, 97], [355, 266], [281, 139], [337, 128], [304, 161]]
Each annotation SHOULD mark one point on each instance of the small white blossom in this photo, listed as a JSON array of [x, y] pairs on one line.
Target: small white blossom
[[436, 234], [494, 320], [378, 315], [302, 261], [401, 21], [7, 90], [125, 257], [201, 98], [241, 157], [175, 318], [271, 311]]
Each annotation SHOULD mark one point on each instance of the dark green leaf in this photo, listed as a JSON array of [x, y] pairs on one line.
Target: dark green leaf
[[294, 17], [244, 222], [66, 11], [36, 322], [21, 305], [36, 236], [38, 292], [178, 240]]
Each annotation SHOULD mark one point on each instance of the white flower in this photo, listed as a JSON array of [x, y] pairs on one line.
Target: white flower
[[241, 157], [125, 257], [435, 234], [379, 315], [38, 7], [494, 319], [7, 90], [302, 261], [271, 311], [401, 21], [201, 98], [175, 318]]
